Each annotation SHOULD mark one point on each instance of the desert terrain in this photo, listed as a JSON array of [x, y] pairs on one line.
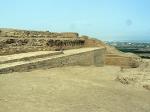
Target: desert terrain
[[75, 89], [75, 56], [42, 71]]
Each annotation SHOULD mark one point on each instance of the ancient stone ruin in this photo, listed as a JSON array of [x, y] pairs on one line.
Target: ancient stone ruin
[[17, 41], [14, 41]]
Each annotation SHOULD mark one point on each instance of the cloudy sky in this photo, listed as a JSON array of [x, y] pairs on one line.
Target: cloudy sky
[[103, 19]]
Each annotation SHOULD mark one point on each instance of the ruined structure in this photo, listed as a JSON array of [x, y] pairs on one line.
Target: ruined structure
[[50, 59], [18, 41], [21, 41]]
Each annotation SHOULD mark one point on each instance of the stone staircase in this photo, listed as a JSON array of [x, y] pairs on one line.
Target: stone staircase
[[49, 59]]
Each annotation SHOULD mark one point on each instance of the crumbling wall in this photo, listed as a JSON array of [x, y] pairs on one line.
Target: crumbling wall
[[36, 34], [18, 41], [20, 45]]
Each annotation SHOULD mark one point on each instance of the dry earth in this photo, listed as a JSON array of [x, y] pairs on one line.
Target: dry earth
[[137, 77], [71, 89]]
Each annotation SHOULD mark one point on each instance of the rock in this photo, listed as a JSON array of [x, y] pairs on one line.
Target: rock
[[126, 79], [146, 86]]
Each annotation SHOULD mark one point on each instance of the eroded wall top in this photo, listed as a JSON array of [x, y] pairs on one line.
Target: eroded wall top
[[36, 34]]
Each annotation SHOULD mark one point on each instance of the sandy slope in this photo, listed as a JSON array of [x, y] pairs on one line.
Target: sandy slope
[[71, 89]]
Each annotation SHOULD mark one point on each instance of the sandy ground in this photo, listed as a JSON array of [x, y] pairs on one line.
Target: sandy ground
[[138, 77], [71, 89]]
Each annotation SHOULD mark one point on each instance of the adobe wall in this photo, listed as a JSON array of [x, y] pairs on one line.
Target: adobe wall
[[94, 56], [20, 45], [20, 41], [36, 34]]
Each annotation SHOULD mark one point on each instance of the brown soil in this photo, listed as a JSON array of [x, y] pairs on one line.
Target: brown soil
[[71, 89]]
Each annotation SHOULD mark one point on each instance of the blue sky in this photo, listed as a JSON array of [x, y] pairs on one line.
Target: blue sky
[[103, 19]]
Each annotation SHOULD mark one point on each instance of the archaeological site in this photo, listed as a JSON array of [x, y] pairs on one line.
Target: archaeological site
[[75, 56], [22, 50], [43, 71]]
